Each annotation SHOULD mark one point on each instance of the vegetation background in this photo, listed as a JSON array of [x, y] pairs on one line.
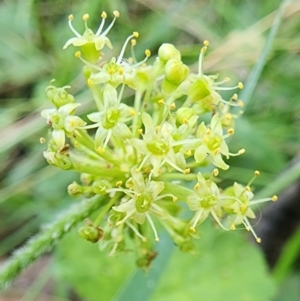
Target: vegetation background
[[229, 266]]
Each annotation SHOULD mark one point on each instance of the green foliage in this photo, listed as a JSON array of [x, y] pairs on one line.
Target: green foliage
[[226, 267], [31, 40]]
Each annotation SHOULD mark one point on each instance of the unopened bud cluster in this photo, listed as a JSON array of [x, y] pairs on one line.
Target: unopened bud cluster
[[143, 155]]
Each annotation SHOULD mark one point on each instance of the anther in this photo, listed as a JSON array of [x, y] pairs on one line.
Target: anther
[[274, 198], [42, 140], [232, 227], [161, 102], [100, 150], [197, 186], [215, 172], [241, 151], [85, 17], [240, 85], [119, 183], [205, 43], [256, 173], [248, 188], [133, 42], [189, 152], [240, 103], [147, 52], [192, 230], [71, 17], [172, 106], [90, 82], [140, 131], [78, 54], [230, 131], [104, 15], [258, 240], [174, 199], [187, 171], [135, 34], [185, 121], [116, 14]]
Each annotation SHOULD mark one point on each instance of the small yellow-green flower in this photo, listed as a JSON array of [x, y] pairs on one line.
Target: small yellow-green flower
[[143, 196], [204, 201], [91, 43]]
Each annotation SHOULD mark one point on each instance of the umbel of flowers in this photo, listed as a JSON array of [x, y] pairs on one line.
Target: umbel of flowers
[[144, 155]]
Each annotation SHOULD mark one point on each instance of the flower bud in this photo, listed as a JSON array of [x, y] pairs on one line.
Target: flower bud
[[59, 96], [101, 186], [184, 114], [91, 233], [168, 51], [175, 71]]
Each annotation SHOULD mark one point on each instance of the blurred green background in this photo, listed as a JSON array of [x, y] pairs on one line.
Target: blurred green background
[[228, 266]]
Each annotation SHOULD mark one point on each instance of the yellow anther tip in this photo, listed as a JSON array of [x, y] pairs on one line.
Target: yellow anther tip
[[135, 34], [85, 17], [206, 43], [157, 239], [258, 240], [161, 101], [175, 199], [257, 173], [187, 171], [147, 52], [197, 185], [133, 42], [100, 150], [77, 54], [192, 230], [227, 79], [90, 82], [241, 151], [274, 198], [71, 17], [172, 106], [42, 140], [230, 131], [119, 183], [116, 14], [215, 172], [240, 103], [240, 85], [232, 227], [103, 15]]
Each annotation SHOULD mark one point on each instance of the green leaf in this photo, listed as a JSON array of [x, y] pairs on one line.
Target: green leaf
[[226, 268]]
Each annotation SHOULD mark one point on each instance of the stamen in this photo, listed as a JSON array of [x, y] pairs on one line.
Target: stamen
[[217, 219], [196, 219], [85, 17], [249, 228], [120, 57], [143, 238], [116, 14], [71, 18], [238, 86], [152, 225], [78, 55], [273, 199], [128, 214], [103, 16]]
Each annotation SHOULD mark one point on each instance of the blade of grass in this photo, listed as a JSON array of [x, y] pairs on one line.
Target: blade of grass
[[288, 258], [252, 80], [140, 286]]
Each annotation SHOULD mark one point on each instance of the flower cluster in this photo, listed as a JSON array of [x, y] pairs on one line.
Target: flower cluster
[[143, 155]]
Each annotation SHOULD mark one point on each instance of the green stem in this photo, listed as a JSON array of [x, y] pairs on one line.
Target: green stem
[[46, 239], [178, 176], [106, 209]]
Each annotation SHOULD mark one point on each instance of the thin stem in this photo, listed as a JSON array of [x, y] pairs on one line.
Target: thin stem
[[46, 239]]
